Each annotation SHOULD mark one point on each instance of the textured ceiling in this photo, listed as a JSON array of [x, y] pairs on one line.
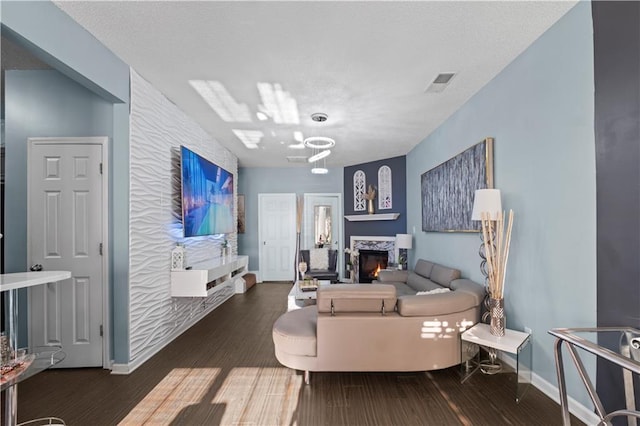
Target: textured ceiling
[[365, 64]]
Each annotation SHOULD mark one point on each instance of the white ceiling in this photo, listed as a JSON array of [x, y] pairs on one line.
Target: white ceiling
[[365, 64]]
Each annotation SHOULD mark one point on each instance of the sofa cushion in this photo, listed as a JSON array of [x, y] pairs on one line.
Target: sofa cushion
[[295, 332], [419, 283], [443, 275], [436, 304], [356, 297], [390, 276], [402, 289], [470, 287], [423, 267]]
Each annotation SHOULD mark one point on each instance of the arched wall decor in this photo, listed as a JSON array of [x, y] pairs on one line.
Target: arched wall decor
[[359, 186], [385, 198]]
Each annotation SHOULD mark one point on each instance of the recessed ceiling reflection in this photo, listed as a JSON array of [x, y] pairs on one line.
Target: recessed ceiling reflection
[[220, 100], [250, 138], [278, 104]]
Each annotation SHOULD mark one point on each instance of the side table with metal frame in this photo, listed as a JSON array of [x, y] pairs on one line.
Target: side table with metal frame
[[517, 343]]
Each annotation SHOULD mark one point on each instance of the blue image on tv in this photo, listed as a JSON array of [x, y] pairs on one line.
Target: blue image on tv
[[207, 196]]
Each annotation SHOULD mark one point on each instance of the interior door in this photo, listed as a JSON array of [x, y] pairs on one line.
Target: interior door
[[66, 223], [277, 233]]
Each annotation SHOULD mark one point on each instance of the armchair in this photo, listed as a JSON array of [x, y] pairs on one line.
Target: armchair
[[317, 268]]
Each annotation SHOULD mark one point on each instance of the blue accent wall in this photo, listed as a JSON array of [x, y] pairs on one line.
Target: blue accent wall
[[259, 180], [540, 109], [51, 35], [388, 228], [40, 104]]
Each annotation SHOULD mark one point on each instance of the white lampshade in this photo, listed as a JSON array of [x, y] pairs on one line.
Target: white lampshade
[[403, 241], [486, 201]]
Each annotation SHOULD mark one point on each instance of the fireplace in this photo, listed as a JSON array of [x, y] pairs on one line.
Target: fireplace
[[370, 262]]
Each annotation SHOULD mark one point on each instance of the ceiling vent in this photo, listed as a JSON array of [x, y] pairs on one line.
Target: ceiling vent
[[297, 159], [440, 82]]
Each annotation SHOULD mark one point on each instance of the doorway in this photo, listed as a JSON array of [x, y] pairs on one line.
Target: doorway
[[320, 209], [67, 217], [277, 236]]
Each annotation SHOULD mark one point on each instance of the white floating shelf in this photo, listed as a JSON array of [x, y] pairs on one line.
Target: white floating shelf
[[377, 216]]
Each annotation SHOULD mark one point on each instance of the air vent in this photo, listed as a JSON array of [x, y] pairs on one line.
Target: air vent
[[296, 159], [440, 82]]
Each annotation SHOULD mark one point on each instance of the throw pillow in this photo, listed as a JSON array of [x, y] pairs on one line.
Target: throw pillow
[[319, 259], [434, 291]]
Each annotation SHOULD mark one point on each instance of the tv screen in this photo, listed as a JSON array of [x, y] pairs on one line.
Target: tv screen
[[207, 196]]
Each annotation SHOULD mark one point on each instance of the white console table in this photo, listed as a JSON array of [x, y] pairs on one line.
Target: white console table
[[201, 280], [11, 283]]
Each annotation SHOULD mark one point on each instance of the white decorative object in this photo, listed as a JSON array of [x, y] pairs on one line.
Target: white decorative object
[[385, 199], [319, 258], [359, 185], [178, 258]]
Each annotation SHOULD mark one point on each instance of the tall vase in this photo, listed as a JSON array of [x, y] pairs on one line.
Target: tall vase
[[496, 314], [370, 207]]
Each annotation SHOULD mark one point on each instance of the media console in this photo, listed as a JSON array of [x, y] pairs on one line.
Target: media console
[[204, 279]]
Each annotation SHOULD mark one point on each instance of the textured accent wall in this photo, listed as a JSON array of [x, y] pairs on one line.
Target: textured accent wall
[[158, 128]]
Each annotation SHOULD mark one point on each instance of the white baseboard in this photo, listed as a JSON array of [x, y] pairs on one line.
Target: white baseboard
[[585, 414], [146, 355]]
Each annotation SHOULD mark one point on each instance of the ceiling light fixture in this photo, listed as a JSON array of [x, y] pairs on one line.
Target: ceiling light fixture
[[319, 142], [320, 156], [319, 170]]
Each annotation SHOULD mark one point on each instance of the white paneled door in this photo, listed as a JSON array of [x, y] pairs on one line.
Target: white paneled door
[[67, 219], [277, 233]]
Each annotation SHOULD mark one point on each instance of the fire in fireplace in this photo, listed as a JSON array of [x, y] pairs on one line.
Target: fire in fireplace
[[370, 262]]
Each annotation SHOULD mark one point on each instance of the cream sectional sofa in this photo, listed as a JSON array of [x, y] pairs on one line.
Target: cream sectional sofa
[[383, 326]]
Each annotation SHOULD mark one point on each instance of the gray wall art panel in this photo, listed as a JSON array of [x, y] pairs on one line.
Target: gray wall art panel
[[448, 189]]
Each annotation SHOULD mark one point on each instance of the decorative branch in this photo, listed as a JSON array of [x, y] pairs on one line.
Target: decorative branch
[[496, 247]]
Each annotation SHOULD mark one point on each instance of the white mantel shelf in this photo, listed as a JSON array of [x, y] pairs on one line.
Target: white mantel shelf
[[377, 216]]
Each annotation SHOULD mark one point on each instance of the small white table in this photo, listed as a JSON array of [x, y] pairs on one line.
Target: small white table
[[298, 298], [514, 342], [11, 283]]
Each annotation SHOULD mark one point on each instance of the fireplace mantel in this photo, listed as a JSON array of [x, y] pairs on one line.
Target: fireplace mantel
[[367, 217]]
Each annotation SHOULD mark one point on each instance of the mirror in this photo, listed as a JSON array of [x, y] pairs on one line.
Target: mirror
[[322, 225]]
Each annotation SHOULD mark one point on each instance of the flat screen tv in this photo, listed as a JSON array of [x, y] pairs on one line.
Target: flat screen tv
[[207, 196]]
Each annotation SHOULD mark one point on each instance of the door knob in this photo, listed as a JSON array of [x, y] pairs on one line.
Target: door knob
[[37, 267]]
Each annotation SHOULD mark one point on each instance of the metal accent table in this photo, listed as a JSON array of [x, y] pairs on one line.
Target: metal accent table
[[513, 342], [11, 283], [619, 345]]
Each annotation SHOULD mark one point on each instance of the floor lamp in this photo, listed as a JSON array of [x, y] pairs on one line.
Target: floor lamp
[[403, 242]]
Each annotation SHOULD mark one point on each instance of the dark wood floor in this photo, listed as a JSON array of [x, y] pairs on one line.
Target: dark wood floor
[[223, 371]]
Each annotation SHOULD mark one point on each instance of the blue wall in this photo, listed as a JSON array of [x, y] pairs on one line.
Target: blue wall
[[257, 180], [51, 35], [540, 110], [40, 104], [399, 193]]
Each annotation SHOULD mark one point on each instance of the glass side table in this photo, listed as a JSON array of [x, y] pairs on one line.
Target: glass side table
[[619, 345], [514, 342]]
